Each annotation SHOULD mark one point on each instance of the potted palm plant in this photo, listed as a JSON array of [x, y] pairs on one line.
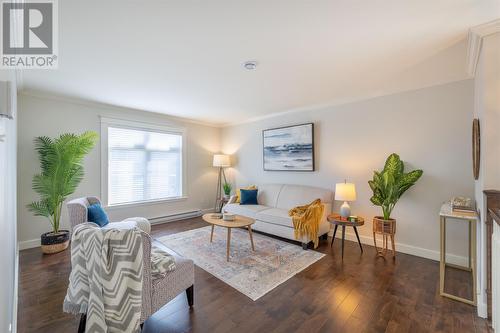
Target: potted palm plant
[[61, 173], [388, 186]]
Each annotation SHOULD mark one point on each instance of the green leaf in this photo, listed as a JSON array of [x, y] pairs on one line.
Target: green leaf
[[393, 164], [376, 201], [373, 185], [408, 180], [411, 177], [40, 208]]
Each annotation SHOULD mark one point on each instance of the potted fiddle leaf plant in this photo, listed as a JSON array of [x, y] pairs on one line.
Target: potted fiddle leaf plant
[[227, 190], [61, 173], [388, 186]]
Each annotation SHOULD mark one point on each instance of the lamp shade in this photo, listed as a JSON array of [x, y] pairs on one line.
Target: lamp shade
[[221, 160], [345, 192]]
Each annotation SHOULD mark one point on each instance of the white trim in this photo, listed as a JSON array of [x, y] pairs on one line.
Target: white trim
[[144, 126], [144, 203], [407, 249], [475, 41], [337, 103], [111, 107], [176, 217], [29, 244], [482, 309], [16, 291]]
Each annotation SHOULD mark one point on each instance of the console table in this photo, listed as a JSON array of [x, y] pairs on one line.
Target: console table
[[471, 218]]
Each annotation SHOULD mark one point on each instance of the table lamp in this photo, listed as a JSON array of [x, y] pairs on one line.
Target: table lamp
[[345, 192], [220, 161]]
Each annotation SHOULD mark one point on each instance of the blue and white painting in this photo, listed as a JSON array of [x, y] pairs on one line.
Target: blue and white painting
[[289, 148]]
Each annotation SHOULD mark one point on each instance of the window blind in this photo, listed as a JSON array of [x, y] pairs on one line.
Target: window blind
[[143, 165]]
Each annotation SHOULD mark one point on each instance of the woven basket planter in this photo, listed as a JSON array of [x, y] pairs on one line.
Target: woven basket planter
[[386, 228], [382, 226], [54, 243]]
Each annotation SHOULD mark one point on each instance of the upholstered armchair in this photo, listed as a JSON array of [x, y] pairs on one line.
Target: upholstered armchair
[[156, 291]]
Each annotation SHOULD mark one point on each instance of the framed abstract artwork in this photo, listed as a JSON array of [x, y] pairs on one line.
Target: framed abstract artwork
[[289, 148]]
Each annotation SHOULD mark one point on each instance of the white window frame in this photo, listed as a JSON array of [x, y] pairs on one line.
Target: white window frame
[[141, 126]]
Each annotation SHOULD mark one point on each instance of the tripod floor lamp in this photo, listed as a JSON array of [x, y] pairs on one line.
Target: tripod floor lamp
[[221, 162]]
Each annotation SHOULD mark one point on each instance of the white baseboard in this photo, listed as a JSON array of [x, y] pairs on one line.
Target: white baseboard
[[482, 310], [408, 249], [176, 217], [29, 244]]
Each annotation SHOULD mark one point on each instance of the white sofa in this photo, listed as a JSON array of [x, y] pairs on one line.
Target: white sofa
[[275, 200]]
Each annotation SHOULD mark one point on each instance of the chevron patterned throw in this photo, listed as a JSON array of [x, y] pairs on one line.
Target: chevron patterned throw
[[106, 278]]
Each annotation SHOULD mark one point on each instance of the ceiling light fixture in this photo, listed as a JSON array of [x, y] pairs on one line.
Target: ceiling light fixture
[[250, 65]]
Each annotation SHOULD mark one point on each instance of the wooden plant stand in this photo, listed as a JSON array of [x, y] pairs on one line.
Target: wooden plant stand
[[386, 228]]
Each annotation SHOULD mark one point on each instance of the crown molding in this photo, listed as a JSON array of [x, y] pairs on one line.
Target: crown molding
[[475, 42], [110, 107]]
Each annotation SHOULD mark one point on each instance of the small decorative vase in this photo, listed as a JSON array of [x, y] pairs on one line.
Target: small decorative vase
[[226, 196], [54, 242], [386, 228]]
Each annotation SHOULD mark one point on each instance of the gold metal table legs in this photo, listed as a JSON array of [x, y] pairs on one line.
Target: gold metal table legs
[[472, 262]]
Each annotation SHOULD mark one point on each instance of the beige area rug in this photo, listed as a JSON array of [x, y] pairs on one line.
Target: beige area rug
[[252, 273]]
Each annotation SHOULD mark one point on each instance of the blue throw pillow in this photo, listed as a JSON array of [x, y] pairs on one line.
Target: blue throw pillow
[[96, 214], [248, 197]]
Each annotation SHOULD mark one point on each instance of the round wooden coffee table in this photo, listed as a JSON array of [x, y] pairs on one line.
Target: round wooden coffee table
[[239, 222], [337, 220]]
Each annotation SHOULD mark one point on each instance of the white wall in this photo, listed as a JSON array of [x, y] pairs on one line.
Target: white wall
[[8, 257], [487, 109], [52, 116], [429, 128]]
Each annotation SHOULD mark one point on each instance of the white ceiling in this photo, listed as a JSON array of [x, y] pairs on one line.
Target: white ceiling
[[185, 57]]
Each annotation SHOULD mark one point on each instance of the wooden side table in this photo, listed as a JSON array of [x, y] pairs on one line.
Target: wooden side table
[[471, 218], [337, 220]]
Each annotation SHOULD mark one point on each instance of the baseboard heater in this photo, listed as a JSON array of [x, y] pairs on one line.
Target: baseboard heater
[[175, 217]]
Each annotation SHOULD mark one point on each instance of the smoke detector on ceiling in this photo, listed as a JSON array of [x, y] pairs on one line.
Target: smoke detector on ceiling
[[250, 65]]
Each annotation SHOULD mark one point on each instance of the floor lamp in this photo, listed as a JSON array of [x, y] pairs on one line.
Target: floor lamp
[[221, 162]]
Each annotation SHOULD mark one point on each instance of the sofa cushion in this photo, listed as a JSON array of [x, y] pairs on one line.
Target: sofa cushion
[[298, 195], [245, 210], [238, 191], [268, 194], [248, 197], [97, 215], [275, 216]]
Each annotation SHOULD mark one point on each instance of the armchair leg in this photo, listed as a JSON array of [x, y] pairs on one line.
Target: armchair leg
[[190, 295], [304, 246], [83, 323]]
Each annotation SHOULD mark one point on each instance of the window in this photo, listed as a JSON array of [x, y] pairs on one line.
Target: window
[[143, 165]]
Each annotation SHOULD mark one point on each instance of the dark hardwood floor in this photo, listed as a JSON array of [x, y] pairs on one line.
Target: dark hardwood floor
[[360, 294]]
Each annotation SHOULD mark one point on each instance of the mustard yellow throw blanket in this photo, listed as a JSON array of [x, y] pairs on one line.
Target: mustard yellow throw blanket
[[306, 220]]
